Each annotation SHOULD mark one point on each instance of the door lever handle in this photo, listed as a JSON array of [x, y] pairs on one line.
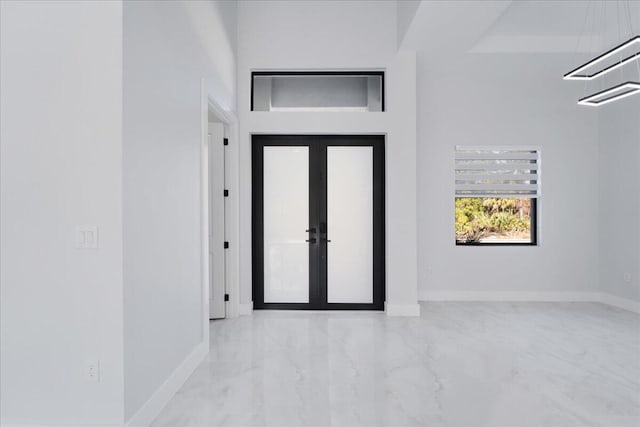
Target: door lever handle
[[311, 230], [311, 240], [326, 240]]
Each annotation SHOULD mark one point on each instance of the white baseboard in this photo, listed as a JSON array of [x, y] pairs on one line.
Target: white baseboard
[[624, 303], [2, 424], [507, 296], [402, 309], [245, 309], [58, 425], [152, 407], [600, 297]]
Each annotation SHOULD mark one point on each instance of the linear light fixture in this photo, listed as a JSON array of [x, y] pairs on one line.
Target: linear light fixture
[[575, 74], [612, 94]]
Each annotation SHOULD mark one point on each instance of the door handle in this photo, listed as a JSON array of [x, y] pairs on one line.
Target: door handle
[[326, 240], [311, 230], [311, 240]]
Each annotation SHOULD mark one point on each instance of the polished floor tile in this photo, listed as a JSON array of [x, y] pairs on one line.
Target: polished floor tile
[[459, 364]]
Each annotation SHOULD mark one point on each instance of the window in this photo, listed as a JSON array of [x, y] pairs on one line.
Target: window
[[496, 194], [317, 91]]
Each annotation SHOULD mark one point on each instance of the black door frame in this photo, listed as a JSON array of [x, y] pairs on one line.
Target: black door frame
[[318, 213]]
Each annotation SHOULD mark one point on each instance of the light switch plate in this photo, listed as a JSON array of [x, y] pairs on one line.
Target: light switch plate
[[86, 237]]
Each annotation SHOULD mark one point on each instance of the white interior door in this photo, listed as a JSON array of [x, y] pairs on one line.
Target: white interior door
[[217, 276], [286, 217], [350, 224]]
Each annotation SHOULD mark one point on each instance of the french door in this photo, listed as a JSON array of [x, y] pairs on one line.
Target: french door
[[318, 222]]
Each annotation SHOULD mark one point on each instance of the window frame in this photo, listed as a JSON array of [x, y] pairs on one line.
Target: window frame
[[323, 73], [533, 197]]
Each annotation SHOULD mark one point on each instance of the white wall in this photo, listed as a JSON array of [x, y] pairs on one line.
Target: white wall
[[406, 11], [61, 98], [315, 34], [619, 202], [507, 99], [619, 187], [335, 35], [168, 48]]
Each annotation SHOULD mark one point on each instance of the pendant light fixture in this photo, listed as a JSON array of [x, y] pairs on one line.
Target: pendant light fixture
[[612, 94], [625, 53], [633, 43]]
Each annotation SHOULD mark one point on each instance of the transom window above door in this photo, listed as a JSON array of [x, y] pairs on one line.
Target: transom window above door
[[348, 91]]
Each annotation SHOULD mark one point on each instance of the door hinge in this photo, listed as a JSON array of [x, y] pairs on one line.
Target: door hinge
[[226, 245], [225, 141], [226, 193], [226, 297]]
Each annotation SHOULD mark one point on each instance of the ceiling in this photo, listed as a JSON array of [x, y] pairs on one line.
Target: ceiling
[[542, 26]]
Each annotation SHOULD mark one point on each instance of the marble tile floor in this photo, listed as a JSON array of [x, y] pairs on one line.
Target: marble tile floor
[[459, 364]]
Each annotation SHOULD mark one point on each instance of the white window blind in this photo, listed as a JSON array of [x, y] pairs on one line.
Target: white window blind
[[497, 171]]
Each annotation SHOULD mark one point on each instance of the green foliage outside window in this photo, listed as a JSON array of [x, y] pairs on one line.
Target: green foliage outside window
[[486, 219]]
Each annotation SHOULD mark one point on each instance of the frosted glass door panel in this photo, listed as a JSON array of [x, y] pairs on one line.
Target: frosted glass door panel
[[286, 217], [350, 224]]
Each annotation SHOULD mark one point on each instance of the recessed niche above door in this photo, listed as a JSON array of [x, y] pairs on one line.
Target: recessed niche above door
[[317, 91]]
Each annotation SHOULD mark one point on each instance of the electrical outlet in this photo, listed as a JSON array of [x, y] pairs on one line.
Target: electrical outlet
[[92, 371], [627, 277], [86, 237]]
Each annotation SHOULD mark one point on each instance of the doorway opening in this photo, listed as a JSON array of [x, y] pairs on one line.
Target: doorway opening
[[318, 222], [219, 267]]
